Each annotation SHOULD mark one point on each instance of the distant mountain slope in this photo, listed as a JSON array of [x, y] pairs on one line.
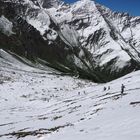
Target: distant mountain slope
[[85, 38]]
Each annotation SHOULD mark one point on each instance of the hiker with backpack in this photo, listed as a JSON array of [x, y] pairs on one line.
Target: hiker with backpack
[[122, 89]]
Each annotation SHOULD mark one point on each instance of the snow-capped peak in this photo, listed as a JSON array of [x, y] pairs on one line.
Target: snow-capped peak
[[84, 36]]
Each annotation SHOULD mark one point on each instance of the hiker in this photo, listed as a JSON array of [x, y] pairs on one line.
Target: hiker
[[108, 87], [122, 89], [104, 88], [84, 92]]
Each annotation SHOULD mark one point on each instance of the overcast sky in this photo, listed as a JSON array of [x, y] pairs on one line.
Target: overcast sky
[[130, 6]]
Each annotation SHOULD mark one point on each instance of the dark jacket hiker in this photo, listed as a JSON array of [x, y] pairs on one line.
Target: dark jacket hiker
[[122, 88]]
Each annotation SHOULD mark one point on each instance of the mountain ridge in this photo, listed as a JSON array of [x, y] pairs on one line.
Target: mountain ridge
[[84, 38]]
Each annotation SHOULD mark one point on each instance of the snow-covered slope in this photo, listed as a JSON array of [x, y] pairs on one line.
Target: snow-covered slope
[[84, 38], [39, 105]]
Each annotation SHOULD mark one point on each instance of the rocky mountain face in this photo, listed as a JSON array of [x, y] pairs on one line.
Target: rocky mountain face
[[85, 39]]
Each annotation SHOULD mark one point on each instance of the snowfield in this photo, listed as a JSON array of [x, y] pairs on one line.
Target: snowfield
[[46, 105]]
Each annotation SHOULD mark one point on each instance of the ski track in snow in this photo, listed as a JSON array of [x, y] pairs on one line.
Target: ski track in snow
[[40, 105]]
